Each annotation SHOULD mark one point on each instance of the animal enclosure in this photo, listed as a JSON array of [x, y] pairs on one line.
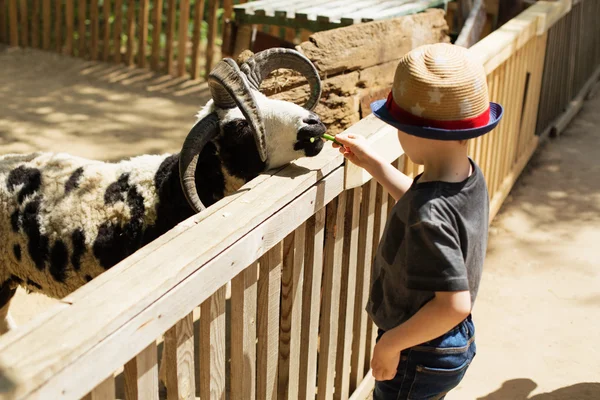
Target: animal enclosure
[[296, 247]]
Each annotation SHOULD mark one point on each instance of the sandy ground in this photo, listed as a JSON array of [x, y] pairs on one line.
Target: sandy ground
[[537, 314]]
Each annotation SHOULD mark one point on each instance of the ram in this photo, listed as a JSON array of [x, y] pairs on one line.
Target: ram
[[64, 220]]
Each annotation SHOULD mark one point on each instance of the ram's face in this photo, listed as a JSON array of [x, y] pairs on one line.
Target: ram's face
[[289, 129]]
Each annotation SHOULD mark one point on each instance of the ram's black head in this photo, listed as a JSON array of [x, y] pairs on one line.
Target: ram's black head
[[282, 130]]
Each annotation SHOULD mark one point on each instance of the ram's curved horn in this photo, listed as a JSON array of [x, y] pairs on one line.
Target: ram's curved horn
[[203, 132], [230, 88], [259, 66]]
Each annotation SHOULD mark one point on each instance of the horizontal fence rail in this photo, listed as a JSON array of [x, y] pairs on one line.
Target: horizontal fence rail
[[177, 37], [262, 296]]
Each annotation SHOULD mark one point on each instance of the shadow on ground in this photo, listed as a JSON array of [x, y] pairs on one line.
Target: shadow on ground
[[519, 389]]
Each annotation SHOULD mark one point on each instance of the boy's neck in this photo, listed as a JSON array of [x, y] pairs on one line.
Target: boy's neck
[[448, 167]]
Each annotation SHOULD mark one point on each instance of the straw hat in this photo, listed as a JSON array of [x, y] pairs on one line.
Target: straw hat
[[439, 92]]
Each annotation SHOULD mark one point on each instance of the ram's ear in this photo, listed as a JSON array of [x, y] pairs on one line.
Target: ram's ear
[[202, 132]]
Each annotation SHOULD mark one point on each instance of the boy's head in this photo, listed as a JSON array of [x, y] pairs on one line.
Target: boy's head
[[439, 100]]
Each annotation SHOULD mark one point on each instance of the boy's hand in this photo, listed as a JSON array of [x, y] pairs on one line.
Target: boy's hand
[[356, 149], [385, 361]]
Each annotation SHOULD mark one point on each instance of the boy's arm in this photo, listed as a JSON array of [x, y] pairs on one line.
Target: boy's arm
[[356, 149], [438, 316]]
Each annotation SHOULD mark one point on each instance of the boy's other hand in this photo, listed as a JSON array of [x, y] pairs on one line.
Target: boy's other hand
[[385, 361], [356, 149]]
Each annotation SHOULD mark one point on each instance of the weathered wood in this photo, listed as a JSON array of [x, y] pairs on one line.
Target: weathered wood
[[24, 23], [198, 18], [47, 24], [334, 241], [269, 284], [473, 27], [157, 13], [243, 334], [104, 391], [212, 347], [291, 314], [184, 16], [311, 302], [141, 375], [170, 34], [243, 39], [179, 356], [81, 16], [211, 36], [348, 292], [143, 33], [129, 53], [118, 29]]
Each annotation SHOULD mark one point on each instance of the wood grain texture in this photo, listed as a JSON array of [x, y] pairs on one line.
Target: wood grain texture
[[198, 18], [211, 36], [13, 23], [106, 14], [244, 290], [3, 22], [184, 16], [118, 30], [269, 290], [143, 33], [130, 51], [141, 375], [179, 356], [24, 26], [94, 29], [81, 17], [47, 24], [157, 13], [212, 347], [171, 10], [104, 391], [35, 23]]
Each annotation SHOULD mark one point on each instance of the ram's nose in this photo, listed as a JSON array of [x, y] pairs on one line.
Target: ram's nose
[[312, 119]]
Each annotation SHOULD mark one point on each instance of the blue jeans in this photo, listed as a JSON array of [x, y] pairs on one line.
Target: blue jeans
[[430, 370]]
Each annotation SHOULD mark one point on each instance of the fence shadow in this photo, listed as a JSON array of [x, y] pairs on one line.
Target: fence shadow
[[520, 389]]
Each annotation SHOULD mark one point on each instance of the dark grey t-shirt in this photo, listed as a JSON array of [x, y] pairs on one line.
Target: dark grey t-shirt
[[435, 240]]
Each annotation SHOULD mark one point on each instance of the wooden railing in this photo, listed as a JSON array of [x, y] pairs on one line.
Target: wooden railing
[[177, 37], [296, 248]]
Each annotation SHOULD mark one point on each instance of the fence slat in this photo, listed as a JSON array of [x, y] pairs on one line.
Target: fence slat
[[170, 34], [118, 30], [227, 25], [198, 18], [243, 334], [184, 16], [130, 33], [212, 347], [94, 24], [269, 285], [106, 37], [141, 375], [58, 24], [213, 6], [311, 303], [13, 23], [69, 23], [291, 313], [179, 356], [24, 23], [3, 23], [47, 24], [157, 13], [334, 241], [81, 21], [143, 33], [348, 290], [104, 391]]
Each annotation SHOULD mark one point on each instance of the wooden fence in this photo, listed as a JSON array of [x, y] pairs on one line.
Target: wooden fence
[[177, 37], [296, 248]]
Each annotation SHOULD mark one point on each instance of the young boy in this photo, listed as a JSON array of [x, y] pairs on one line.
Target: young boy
[[428, 266]]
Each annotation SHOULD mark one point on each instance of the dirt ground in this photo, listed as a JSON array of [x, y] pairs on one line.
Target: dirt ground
[[537, 314]]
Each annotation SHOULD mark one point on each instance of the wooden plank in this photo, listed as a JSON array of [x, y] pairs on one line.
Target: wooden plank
[[291, 314], [348, 292], [129, 53], [104, 391], [24, 23], [170, 35], [243, 334], [184, 16], [363, 281], [94, 29], [106, 38], [3, 22], [365, 388], [211, 35], [473, 26], [35, 23], [118, 29], [311, 300], [58, 25], [243, 39], [143, 33], [157, 13], [69, 24], [498, 134], [269, 285], [179, 356], [47, 24], [81, 16], [334, 241], [141, 375], [227, 27], [13, 23], [212, 347], [118, 333], [198, 18]]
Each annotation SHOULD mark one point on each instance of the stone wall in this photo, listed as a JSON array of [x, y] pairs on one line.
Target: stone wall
[[357, 64]]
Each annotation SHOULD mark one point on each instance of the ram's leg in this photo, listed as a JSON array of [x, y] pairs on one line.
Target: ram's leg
[[6, 321]]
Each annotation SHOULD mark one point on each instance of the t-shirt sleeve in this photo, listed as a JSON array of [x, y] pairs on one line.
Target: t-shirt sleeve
[[434, 258]]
